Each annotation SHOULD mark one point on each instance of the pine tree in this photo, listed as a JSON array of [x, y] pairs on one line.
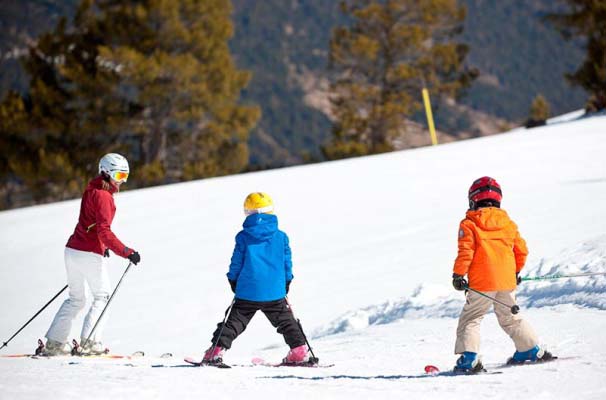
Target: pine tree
[[539, 112], [176, 70], [391, 50], [151, 79], [587, 19], [55, 153]]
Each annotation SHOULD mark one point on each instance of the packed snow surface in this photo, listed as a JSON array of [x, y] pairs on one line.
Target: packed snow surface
[[373, 241]]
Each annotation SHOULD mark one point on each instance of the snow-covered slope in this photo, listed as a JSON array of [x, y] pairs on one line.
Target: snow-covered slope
[[373, 243]]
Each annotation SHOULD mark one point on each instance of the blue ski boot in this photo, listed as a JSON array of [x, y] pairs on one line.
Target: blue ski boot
[[469, 363], [534, 355]]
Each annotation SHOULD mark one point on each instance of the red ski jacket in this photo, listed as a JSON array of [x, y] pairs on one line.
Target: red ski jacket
[[93, 232]]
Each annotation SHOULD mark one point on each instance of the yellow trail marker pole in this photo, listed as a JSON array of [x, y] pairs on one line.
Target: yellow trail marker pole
[[432, 129]]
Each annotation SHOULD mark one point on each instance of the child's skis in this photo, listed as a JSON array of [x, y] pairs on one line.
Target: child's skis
[[312, 363], [217, 364]]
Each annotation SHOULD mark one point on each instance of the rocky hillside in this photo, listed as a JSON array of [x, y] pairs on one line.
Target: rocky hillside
[[284, 44]]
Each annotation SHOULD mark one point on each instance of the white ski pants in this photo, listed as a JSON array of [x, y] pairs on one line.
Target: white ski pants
[[82, 268], [476, 306]]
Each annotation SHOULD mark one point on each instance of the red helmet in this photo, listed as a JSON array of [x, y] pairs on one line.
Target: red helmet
[[484, 188]]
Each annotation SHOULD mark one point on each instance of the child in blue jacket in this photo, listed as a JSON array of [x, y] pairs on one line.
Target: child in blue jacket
[[260, 274]]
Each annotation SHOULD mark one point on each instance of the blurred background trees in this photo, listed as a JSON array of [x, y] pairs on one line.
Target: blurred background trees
[[178, 86], [539, 112], [586, 19], [153, 80], [382, 60]]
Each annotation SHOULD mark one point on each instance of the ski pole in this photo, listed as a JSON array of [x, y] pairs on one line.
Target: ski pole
[[4, 344], [315, 359], [106, 306], [514, 309], [560, 276], [227, 313]]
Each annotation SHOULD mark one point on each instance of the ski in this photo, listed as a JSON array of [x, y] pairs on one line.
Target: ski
[[135, 355], [195, 363], [461, 373], [312, 363], [39, 354], [527, 363], [432, 370], [16, 355]]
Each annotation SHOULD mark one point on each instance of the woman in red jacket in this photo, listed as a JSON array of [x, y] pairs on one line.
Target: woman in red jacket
[[86, 255]]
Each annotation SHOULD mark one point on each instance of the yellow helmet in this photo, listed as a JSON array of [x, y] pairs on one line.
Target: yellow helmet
[[258, 203]]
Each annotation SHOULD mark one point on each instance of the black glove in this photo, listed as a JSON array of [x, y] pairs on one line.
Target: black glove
[[106, 253], [459, 282], [233, 285], [287, 286], [518, 278], [135, 258]]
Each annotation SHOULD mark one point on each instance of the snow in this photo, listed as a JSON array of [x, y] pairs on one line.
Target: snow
[[571, 116], [373, 243]]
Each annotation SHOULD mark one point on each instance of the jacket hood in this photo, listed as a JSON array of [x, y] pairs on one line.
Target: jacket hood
[[489, 218], [261, 226], [102, 184]]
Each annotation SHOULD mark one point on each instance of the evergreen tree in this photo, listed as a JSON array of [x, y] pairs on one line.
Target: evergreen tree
[[587, 19], [54, 151], [539, 112], [382, 60], [176, 69], [151, 79]]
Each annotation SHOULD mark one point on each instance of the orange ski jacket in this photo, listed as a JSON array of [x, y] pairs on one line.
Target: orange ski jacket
[[491, 250]]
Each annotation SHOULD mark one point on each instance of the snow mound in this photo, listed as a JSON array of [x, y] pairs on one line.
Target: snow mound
[[590, 291], [440, 301], [427, 301]]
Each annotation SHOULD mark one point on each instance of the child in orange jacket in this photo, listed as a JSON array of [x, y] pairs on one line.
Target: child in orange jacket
[[491, 253]]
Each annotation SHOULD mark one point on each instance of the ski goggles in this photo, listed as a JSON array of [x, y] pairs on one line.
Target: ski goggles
[[119, 176], [268, 209]]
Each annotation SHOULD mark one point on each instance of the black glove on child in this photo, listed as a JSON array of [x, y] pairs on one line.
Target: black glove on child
[[135, 258], [518, 278], [459, 282], [232, 284], [288, 286]]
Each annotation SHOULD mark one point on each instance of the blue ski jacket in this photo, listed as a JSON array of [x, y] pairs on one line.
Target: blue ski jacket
[[261, 263]]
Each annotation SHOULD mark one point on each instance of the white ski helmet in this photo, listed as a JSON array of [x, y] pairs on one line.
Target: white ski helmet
[[115, 166]]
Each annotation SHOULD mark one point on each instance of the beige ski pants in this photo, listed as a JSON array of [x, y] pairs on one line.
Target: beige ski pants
[[476, 306]]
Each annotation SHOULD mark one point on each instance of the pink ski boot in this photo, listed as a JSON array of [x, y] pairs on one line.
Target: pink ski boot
[[214, 355], [298, 355]]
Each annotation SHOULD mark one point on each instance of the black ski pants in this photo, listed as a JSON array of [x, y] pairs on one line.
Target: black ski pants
[[277, 312]]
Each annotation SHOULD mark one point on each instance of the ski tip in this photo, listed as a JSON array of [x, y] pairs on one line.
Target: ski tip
[[431, 369], [193, 361]]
